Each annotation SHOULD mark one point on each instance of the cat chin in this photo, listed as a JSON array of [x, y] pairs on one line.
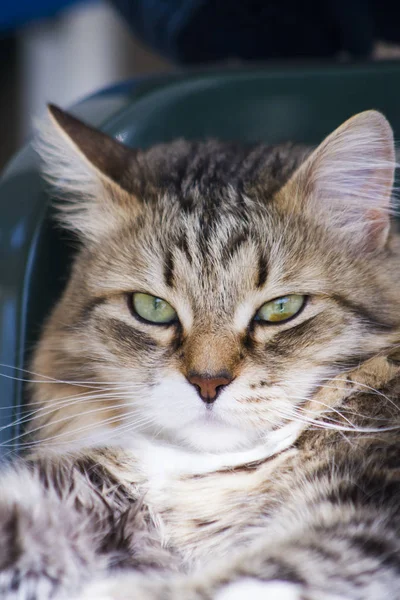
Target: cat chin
[[162, 460], [223, 440], [216, 437]]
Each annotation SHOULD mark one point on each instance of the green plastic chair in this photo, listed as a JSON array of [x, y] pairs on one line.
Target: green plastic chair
[[274, 105]]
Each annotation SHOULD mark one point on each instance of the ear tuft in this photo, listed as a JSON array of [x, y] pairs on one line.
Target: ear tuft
[[89, 173], [109, 157], [348, 179]]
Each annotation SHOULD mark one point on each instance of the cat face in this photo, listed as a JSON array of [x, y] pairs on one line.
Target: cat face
[[219, 286]]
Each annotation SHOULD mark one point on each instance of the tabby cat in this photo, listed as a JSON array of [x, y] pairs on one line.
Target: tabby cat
[[215, 405]]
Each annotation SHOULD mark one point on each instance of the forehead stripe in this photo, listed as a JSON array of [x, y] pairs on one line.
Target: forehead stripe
[[169, 268], [183, 246], [262, 270], [234, 244]]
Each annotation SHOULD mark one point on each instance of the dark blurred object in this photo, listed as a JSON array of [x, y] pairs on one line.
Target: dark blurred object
[[197, 31], [8, 98], [15, 13]]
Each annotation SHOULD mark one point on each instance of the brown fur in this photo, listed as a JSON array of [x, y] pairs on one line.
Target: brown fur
[[291, 476]]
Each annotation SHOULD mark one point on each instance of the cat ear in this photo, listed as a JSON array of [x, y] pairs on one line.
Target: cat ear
[[347, 181], [89, 171]]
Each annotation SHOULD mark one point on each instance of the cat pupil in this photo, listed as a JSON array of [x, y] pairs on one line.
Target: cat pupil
[[282, 305]]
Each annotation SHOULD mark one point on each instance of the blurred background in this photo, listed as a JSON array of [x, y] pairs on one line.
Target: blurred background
[[74, 50], [61, 50]]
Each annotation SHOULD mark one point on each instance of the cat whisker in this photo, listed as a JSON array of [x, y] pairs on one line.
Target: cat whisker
[[48, 379], [328, 409], [370, 389], [33, 443], [321, 424], [350, 412], [133, 425], [68, 418], [67, 401], [325, 415]]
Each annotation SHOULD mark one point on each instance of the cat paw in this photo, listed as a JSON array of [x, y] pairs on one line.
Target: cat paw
[[259, 590]]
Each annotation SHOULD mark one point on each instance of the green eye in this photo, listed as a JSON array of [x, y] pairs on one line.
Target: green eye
[[152, 309], [281, 309]]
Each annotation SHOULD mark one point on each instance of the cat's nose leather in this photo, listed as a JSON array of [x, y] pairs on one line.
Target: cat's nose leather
[[208, 386]]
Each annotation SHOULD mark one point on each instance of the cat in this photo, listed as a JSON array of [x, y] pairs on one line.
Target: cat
[[215, 406]]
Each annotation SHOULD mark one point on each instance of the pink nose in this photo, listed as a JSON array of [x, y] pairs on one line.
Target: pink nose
[[209, 387]]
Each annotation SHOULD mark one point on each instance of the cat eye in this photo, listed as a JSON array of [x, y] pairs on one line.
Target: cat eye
[[152, 309], [281, 309]]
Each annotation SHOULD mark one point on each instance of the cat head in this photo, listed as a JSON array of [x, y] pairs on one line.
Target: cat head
[[217, 286]]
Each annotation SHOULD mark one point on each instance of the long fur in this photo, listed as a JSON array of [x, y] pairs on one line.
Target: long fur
[[287, 485]]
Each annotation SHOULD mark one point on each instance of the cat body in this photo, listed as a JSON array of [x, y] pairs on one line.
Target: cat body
[[215, 405]]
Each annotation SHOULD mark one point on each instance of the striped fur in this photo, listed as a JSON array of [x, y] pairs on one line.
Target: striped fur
[[287, 486]]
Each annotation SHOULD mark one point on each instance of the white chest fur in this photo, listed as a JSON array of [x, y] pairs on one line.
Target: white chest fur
[[207, 503]]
